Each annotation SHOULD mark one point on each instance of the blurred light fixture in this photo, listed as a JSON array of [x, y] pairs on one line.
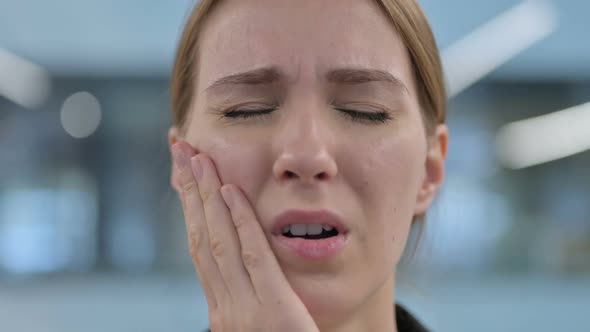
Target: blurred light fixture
[[22, 81], [81, 114], [544, 138], [49, 229], [497, 41]]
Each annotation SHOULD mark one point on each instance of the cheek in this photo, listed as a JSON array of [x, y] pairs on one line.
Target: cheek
[[392, 173], [237, 162], [393, 170]]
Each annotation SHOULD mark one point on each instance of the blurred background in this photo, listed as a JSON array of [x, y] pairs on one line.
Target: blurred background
[[92, 237]]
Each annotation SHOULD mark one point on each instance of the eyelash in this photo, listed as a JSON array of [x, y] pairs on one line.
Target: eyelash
[[373, 117], [357, 116]]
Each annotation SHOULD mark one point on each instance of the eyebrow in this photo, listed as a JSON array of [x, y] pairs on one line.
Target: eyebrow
[[269, 75], [361, 75], [266, 75]]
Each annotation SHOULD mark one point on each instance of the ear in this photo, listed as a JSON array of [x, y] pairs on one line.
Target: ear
[[173, 137], [434, 167]]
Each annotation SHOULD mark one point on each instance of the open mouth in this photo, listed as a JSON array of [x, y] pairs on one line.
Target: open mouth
[[309, 232]]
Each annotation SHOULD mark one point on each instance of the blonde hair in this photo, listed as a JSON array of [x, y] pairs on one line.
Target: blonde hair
[[407, 17]]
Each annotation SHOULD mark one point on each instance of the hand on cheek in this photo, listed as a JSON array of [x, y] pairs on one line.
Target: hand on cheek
[[244, 285]]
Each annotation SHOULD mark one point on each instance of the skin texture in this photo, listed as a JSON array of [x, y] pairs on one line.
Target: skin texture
[[308, 153]]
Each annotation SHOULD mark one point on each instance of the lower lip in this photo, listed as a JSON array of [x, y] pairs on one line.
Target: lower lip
[[314, 249]]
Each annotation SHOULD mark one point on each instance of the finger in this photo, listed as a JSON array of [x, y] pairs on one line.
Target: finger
[[196, 227], [223, 238], [267, 276]]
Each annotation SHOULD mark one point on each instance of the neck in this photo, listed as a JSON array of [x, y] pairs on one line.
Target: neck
[[377, 313]]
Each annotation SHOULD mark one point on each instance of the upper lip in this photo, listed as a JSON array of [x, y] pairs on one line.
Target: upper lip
[[306, 217]]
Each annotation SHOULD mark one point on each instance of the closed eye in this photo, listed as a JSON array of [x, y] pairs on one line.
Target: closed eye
[[358, 116], [248, 114], [374, 117]]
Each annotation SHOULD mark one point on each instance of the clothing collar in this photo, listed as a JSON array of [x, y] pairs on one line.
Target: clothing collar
[[405, 321]]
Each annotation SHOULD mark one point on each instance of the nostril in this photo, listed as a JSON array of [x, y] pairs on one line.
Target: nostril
[[293, 175]]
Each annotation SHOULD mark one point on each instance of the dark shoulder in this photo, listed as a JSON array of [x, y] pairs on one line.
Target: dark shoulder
[[406, 322]]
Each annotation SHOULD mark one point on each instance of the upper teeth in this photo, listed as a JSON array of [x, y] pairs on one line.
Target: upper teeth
[[300, 229]]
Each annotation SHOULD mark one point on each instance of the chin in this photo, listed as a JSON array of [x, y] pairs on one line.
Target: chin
[[327, 299]]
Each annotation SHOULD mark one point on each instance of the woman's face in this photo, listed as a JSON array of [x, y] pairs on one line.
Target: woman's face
[[308, 61]]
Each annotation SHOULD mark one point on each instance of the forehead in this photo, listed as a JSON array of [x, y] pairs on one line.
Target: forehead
[[302, 38]]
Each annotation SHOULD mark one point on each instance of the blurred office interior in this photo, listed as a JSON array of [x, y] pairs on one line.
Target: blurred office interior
[[92, 236]]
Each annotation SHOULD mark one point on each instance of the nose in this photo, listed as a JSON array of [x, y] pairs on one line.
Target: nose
[[304, 146]]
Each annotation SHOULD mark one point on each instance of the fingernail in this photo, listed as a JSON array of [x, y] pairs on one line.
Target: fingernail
[[179, 158], [197, 167], [227, 195]]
